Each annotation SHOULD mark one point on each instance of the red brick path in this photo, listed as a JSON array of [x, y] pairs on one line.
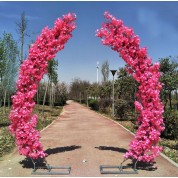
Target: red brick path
[[84, 140]]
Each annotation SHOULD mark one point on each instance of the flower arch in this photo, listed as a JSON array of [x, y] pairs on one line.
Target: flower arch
[[150, 120], [23, 123]]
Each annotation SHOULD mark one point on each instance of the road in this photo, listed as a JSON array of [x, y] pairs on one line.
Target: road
[[84, 140]]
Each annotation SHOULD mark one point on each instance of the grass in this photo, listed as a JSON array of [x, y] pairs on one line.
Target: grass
[[170, 148], [7, 143], [50, 114]]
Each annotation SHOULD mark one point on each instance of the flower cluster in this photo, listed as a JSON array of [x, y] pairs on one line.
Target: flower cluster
[[150, 120], [32, 70]]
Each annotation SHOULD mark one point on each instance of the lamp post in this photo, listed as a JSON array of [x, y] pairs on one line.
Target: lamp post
[[113, 73], [87, 95], [97, 68]]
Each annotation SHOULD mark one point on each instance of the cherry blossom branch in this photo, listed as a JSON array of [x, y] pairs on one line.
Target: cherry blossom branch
[[32, 70], [150, 120]]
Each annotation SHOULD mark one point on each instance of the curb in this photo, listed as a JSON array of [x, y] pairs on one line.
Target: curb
[[162, 154]]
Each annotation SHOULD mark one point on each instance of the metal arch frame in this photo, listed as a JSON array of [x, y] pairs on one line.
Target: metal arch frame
[[49, 168], [120, 169]]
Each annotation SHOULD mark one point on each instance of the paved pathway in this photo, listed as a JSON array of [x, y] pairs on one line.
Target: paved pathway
[[84, 140]]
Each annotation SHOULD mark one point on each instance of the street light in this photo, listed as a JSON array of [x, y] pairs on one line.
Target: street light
[[113, 73], [87, 95], [97, 68]]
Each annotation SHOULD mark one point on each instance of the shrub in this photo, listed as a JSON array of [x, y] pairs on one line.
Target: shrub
[[104, 105], [171, 124], [121, 107], [7, 142], [94, 104]]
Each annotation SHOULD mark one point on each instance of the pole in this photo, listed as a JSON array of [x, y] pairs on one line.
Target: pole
[[87, 99], [97, 68], [113, 98], [113, 73]]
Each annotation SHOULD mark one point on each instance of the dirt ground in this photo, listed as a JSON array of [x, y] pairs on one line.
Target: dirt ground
[[84, 140]]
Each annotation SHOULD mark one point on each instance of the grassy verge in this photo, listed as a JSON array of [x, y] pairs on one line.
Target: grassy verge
[[170, 148], [7, 142]]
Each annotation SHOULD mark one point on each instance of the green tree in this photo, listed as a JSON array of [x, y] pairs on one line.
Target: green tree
[[105, 92], [79, 90], [53, 79], [8, 65], [169, 77], [105, 71], [125, 87], [52, 71]]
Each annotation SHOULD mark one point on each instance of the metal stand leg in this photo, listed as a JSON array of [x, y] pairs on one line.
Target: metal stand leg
[[46, 166], [118, 169]]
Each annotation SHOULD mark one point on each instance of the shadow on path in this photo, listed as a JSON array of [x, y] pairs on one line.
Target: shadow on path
[[121, 150], [56, 150], [140, 165], [4, 124], [145, 166], [27, 162]]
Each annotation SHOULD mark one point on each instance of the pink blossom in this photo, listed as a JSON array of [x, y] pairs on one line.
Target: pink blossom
[[150, 120], [32, 70]]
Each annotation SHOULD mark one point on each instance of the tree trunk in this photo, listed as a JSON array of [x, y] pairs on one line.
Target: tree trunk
[[50, 94], [44, 99], [4, 108], [21, 50], [54, 96], [176, 99], [80, 97], [170, 100], [9, 101]]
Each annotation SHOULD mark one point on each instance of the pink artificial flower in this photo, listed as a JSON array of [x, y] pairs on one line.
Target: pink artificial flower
[[150, 121], [32, 70]]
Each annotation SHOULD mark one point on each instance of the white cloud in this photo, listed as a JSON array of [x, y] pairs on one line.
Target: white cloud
[[9, 15], [15, 16]]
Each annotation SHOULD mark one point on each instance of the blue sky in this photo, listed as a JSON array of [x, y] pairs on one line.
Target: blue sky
[[156, 23]]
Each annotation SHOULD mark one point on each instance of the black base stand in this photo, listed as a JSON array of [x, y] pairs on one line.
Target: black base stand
[[46, 169], [108, 169]]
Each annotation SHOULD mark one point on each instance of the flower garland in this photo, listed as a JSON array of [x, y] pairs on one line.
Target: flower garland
[[150, 120], [32, 70]]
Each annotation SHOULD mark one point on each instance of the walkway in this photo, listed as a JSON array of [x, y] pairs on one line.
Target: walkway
[[84, 140]]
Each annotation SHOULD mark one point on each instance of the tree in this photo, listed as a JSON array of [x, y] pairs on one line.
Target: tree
[[105, 92], [53, 79], [21, 30], [169, 78], [61, 94], [8, 65], [79, 90], [105, 71], [52, 71], [2, 69], [125, 87]]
